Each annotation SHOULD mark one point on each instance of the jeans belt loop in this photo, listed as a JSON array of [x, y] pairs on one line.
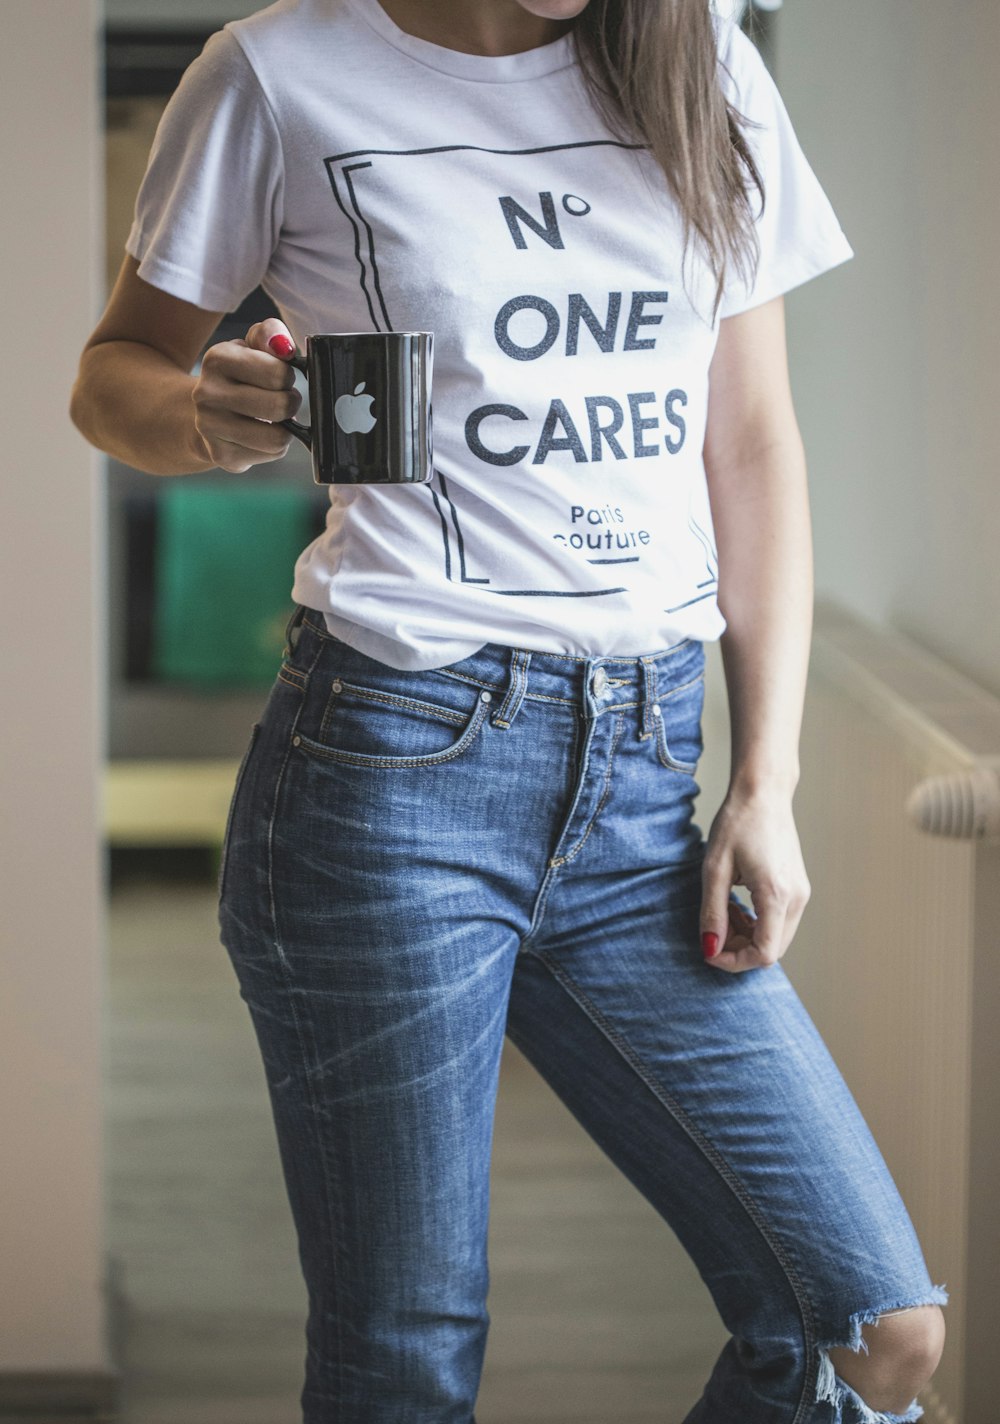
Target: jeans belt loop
[[516, 688], [293, 623], [649, 697]]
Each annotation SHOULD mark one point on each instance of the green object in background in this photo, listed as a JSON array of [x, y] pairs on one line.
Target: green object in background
[[224, 568]]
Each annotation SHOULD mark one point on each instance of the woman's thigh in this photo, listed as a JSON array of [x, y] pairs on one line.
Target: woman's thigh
[[414, 864], [716, 1096], [378, 875]]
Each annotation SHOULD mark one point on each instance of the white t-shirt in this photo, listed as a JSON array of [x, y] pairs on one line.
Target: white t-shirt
[[370, 180]]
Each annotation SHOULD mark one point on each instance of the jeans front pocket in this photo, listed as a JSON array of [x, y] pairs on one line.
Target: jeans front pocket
[[376, 727], [679, 743]]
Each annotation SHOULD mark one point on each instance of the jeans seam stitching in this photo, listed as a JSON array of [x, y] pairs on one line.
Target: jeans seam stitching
[[321, 632], [581, 775], [606, 791], [688, 768], [390, 763], [237, 787], [394, 699], [670, 652], [513, 691], [274, 812], [288, 666], [552, 867], [716, 1158], [464, 677], [621, 657], [681, 687], [541, 904], [305, 1040], [545, 697]]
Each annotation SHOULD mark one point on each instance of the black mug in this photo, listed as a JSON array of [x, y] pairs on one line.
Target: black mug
[[370, 404]]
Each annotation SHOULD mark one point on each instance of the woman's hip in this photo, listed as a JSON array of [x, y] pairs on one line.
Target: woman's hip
[[367, 787]]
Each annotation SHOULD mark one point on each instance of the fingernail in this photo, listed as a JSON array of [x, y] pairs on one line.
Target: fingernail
[[281, 346], [709, 944]]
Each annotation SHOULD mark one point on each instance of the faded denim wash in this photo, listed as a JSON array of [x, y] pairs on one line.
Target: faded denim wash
[[417, 863]]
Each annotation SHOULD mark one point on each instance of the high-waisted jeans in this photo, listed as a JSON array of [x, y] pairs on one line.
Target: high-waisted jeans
[[417, 863]]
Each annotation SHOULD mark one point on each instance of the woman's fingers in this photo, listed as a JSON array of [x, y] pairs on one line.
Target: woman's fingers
[[255, 436], [272, 336], [237, 363], [244, 388], [738, 942], [752, 842], [755, 942], [716, 878], [759, 941], [235, 442], [251, 401]]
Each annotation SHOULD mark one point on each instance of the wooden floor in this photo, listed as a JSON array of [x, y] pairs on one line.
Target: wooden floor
[[598, 1316]]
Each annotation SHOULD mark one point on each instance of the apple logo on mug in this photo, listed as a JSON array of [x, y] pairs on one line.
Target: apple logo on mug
[[354, 413]]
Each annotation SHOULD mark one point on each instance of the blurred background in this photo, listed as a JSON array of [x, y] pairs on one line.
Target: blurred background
[[148, 1255], [193, 640]]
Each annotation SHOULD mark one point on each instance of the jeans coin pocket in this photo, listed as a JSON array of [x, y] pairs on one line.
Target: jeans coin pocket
[[679, 743], [375, 727]]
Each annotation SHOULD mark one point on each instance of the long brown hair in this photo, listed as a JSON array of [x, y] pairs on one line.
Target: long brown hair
[[651, 67]]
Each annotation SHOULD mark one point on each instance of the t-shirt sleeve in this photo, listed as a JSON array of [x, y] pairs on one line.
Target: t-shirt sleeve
[[208, 213], [800, 236]]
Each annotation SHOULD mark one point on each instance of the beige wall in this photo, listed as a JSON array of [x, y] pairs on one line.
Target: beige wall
[[895, 372], [51, 532], [894, 356], [179, 13]]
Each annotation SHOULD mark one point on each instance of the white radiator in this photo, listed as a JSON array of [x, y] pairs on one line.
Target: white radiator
[[897, 956]]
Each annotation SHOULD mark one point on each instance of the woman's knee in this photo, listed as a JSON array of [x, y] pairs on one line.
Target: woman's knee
[[908, 1341], [902, 1349]]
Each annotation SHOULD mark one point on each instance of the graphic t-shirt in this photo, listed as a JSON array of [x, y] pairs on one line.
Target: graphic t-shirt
[[372, 181]]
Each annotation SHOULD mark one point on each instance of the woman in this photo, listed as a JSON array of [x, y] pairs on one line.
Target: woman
[[467, 806]]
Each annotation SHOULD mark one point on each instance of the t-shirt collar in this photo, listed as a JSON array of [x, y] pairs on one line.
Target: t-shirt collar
[[485, 68]]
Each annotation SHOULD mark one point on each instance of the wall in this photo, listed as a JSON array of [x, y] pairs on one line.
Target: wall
[[894, 355], [894, 370], [181, 13], [197, 12], [51, 562]]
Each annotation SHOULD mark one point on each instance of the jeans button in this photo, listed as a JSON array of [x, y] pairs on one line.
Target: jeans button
[[600, 681]]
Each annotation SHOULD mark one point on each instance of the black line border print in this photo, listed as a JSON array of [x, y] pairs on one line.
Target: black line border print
[[711, 563], [364, 238]]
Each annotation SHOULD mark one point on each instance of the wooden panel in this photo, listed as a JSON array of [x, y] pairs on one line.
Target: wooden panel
[[167, 802]]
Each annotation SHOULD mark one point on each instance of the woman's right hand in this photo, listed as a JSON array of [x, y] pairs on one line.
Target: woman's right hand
[[244, 387]]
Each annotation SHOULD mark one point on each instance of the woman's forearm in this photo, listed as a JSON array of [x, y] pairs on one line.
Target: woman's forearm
[[134, 403], [760, 510]]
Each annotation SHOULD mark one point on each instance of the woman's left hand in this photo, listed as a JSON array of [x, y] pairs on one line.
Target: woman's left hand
[[753, 841]]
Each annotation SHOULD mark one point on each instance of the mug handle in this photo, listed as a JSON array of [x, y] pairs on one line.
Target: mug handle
[[300, 431]]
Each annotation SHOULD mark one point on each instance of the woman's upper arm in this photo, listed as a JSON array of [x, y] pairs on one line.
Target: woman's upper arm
[[749, 400], [139, 312]]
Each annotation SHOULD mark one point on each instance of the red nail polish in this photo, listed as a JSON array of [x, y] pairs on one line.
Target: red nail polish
[[281, 346], [709, 944]]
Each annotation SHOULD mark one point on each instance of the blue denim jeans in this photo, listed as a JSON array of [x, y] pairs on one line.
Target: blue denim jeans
[[417, 863]]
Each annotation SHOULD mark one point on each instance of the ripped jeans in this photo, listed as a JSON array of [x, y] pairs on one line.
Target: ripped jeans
[[417, 863]]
